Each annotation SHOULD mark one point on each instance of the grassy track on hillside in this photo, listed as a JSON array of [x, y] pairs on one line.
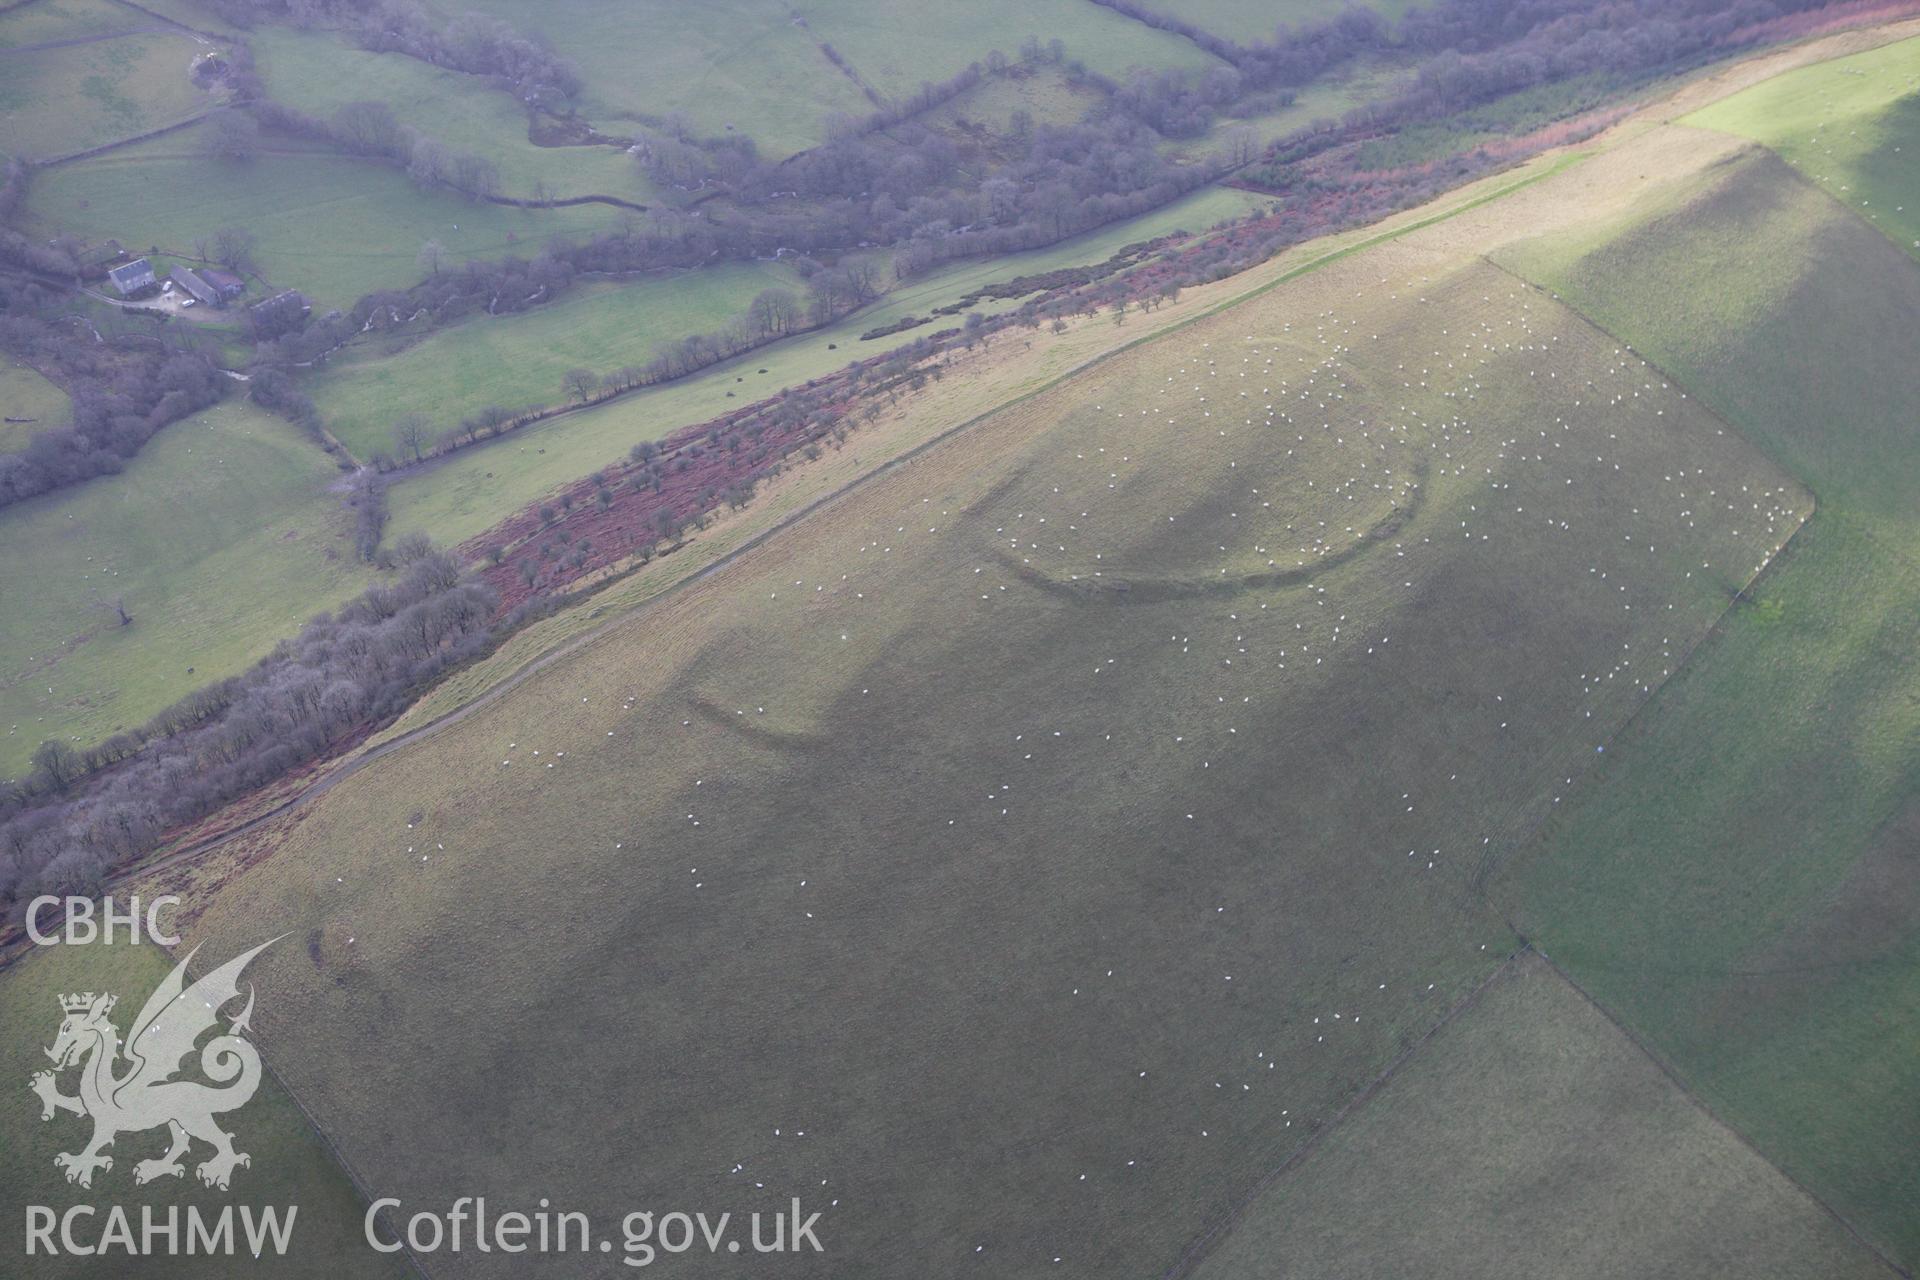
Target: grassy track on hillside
[[1752, 912], [220, 536], [332, 226], [1851, 126], [1250, 742], [58, 101], [316, 72], [25, 394], [291, 1165], [1530, 1137]]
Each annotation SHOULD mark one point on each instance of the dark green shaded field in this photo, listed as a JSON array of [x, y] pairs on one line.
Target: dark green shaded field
[[1752, 911]]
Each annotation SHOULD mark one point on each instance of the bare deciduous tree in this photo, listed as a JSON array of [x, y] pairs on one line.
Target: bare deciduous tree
[[580, 383], [411, 433]]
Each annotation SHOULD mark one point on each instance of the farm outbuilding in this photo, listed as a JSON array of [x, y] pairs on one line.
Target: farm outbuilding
[[133, 278], [229, 285], [283, 312], [197, 287]]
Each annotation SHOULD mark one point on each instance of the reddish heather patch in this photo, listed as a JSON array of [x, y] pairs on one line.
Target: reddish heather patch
[[697, 466]]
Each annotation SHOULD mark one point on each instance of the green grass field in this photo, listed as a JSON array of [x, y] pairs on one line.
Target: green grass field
[[1851, 126], [519, 361], [58, 101], [332, 226], [1055, 839], [222, 540], [756, 66], [45, 21], [25, 394], [196, 15], [739, 64], [317, 72], [1044, 93], [1751, 912], [1530, 1137], [291, 1165], [896, 50]]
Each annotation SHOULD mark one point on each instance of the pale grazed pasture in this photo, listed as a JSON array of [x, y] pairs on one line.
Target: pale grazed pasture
[[1532, 1137]]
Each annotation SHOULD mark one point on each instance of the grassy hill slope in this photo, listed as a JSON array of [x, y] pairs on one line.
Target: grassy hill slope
[[57, 101], [1127, 845], [1851, 126], [1531, 1137], [1751, 912]]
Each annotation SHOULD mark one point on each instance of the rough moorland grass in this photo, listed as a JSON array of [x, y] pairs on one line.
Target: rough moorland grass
[[334, 226], [291, 1165], [519, 361], [58, 101], [1751, 913], [898, 49], [317, 72], [743, 65], [1054, 840], [24, 394], [480, 486], [1851, 126], [221, 538], [48, 20], [1530, 1137]]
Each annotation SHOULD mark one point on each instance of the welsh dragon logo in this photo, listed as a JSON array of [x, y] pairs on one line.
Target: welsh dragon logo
[[145, 1094]]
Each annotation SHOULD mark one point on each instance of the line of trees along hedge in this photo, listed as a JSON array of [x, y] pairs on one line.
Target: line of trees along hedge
[[471, 42], [1072, 179], [124, 389], [80, 812]]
